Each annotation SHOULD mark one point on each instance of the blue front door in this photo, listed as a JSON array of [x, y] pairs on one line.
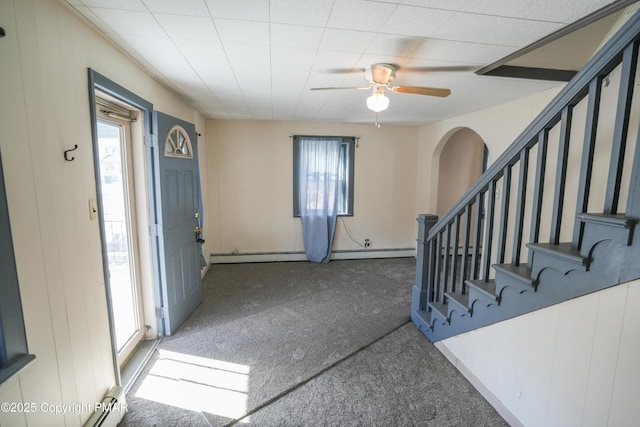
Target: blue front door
[[179, 250]]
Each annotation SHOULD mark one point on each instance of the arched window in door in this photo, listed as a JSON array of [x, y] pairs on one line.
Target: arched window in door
[[178, 144]]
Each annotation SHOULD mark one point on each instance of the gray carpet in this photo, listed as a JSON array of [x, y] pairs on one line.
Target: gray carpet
[[303, 344]]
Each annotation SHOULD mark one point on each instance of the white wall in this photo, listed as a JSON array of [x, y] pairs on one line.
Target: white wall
[[44, 111], [250, 169], [572, 364]]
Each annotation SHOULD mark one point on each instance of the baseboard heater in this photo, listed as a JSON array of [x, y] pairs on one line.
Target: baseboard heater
[[110, 411], [300, 256]]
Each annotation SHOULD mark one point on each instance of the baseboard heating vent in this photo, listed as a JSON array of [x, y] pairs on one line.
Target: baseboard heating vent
[[300, 256], [110, 411]]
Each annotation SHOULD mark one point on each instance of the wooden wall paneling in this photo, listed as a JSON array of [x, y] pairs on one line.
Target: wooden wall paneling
[[505, 363], [52, 378], [576, 325], [603, 356], [8, 393], [532, 379], [624, 400], [71, 207]]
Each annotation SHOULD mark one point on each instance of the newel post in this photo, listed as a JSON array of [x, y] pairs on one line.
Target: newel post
[[420, 292]]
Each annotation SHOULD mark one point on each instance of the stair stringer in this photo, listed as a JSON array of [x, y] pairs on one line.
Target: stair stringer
[[598, 227], [609, 259]]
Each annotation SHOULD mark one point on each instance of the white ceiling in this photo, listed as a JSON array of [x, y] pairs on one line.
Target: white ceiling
[[257, 59]]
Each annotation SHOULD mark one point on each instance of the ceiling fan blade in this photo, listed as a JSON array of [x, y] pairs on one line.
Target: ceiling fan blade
[[431, 91], [406, 46], [445, 68], [345, 70], [342, 87]]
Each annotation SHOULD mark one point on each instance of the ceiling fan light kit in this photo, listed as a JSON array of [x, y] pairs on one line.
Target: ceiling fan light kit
[[377, 102], [380, 76]]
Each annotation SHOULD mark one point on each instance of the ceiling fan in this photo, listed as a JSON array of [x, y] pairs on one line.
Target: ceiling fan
[[380, 76]]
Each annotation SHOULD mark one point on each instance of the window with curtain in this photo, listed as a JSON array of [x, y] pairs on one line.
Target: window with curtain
[[344, 176], [323, 189]]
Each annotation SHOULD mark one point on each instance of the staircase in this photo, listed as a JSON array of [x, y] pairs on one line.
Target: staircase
[[555, 216]]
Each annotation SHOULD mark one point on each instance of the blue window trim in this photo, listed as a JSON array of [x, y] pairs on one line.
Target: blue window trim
[[350, 143], [14, 352]]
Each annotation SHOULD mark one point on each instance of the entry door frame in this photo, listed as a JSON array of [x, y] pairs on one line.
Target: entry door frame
[[99, 82]]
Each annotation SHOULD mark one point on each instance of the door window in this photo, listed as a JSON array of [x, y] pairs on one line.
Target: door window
[[118, 197], [178, 143]]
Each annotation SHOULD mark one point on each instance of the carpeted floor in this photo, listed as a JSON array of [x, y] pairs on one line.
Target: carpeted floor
[[301, 344]]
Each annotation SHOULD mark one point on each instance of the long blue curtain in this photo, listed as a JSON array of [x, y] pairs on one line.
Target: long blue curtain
[[319, 178]]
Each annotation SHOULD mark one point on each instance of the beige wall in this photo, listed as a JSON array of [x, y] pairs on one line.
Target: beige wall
[[45, 110], [497, 126], [460, 166], [250, 169]]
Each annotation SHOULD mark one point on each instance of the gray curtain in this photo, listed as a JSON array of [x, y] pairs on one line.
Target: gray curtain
[[320, 160]]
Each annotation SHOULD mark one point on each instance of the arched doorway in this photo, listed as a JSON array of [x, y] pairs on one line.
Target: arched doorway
[[462, 161]]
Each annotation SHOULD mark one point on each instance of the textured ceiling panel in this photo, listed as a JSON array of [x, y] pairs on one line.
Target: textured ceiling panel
[[248, 32], [495, 30], [177, 7], [418, 21], [250, 10], [188, 27], [259, 59], [130, 23], [296, 36], [360, 15], [301, 12]]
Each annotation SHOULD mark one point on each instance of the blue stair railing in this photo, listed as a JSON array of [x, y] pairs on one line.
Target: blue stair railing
[[573, 173]]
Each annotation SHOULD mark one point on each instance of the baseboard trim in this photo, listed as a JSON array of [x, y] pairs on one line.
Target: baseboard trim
[[479, 385], [110, 411], [300, 256], [204, 270]]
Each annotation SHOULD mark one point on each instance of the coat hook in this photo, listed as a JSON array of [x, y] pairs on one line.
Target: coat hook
[[66, 155]]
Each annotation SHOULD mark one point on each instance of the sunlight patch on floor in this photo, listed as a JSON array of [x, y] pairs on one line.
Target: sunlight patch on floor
[[197, 384]]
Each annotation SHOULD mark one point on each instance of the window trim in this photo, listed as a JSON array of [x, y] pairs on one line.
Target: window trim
[[350, 142], [14, 352]]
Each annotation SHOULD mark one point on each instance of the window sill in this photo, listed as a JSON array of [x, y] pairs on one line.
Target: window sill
[[16, 367]]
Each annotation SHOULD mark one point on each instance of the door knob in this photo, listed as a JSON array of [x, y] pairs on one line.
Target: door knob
[[199, 230]]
